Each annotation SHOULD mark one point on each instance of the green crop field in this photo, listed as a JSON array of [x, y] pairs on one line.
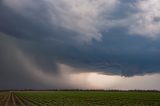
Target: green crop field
[[79, 98]]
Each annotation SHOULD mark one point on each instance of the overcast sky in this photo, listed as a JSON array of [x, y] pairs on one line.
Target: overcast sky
[[71, 43]]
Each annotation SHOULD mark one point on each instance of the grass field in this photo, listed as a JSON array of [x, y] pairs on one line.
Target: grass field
[[79, 98]]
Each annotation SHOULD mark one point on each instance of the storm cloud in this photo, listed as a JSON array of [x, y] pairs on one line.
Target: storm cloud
[[46, 43]]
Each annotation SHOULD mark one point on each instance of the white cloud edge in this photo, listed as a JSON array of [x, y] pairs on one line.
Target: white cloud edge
[[143, 22]]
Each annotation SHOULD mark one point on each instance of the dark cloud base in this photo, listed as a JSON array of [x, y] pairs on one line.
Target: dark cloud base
[[118, 53]]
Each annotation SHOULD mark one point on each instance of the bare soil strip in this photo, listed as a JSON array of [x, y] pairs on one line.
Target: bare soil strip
[[10, 99], [13, 100]]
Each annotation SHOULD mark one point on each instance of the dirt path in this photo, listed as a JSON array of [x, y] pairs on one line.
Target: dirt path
[[10, 99]]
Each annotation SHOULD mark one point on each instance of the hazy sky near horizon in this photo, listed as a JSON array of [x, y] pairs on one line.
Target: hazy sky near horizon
[[88, 44]]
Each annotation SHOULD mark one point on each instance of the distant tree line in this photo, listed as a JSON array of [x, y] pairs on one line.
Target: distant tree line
[[103, 90]]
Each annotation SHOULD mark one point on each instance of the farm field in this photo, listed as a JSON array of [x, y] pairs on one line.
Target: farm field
[[79, 98]]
